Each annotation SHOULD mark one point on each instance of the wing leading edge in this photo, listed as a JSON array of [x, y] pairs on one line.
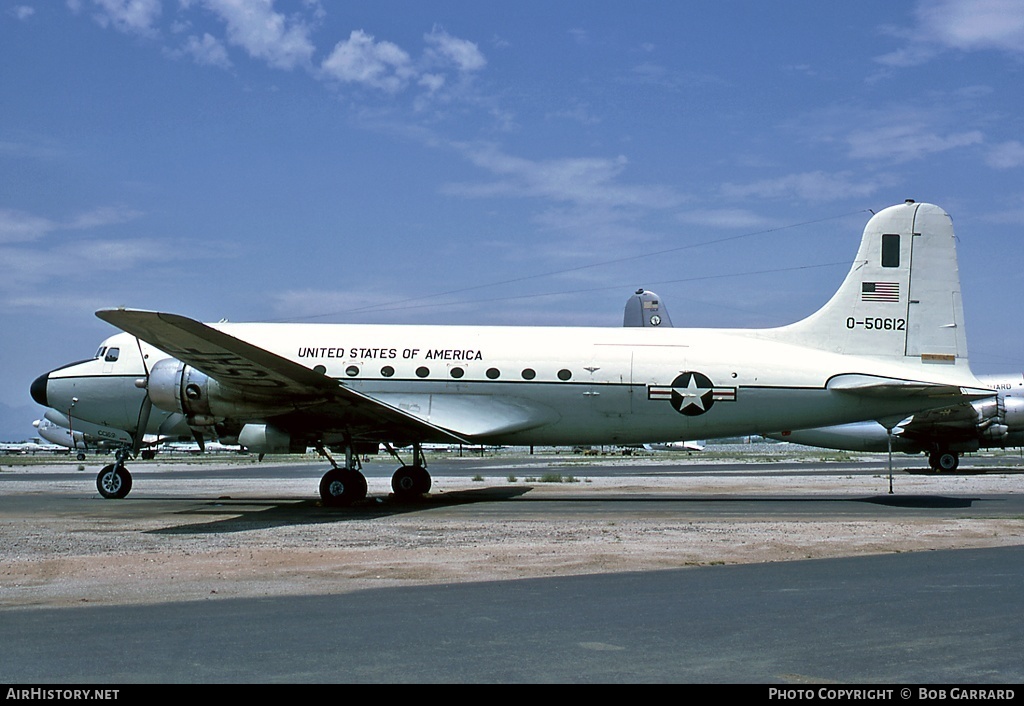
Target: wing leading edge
[[240, 365]]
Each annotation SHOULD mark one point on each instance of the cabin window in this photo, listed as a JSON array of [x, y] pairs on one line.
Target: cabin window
[[422, 371], [112, 354], [564, 374], [456, 372], [890, 251], [493, 373], [352, 371], [529, 374], [387, 371]]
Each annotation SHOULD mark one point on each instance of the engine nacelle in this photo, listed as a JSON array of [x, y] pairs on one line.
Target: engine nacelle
[[176, 387], [268, 439], [1013, 415]]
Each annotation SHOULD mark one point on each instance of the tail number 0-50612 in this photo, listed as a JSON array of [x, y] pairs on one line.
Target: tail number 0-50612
[[877, 324]]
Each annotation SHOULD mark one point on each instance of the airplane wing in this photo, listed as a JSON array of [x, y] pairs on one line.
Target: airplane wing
[[237, 364]]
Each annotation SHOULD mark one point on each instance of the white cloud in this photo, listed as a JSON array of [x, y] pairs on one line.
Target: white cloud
[[894, 133], [974, 24], [18, 226], [29, 267], [206, 51], [359, 59], [128, 16], [1006, 155], [264, 34], [21, 12], [725, 218], [464, 54], [964, 25], [817, 185], [384, 66], [583, 181], [902, 142]]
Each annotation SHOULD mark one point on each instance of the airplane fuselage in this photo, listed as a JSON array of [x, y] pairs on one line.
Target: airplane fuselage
[[529, 385]]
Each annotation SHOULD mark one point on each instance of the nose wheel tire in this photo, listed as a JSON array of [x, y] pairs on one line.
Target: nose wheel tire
[[114, 482]]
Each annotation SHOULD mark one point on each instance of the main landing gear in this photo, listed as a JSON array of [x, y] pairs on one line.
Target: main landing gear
[[410, 481], [346, 485], [342, 486], [943, 460], [114, 481]]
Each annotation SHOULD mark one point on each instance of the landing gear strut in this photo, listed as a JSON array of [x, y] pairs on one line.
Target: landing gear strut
[[410, 481], [342, 486], [114, 481]]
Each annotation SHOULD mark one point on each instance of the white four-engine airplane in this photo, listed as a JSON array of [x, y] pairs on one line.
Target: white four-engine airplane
[[943, 433], [888, 344]]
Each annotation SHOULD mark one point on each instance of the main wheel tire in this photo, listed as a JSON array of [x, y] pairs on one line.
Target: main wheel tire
[[114, 482], [410, 482], [341, 487], [947, 461]]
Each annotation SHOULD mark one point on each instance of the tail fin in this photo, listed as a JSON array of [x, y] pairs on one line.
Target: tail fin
[[645, 309], [900, 299]]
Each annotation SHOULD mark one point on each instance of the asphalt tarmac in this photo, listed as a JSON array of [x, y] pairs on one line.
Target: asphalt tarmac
[[943, 616]]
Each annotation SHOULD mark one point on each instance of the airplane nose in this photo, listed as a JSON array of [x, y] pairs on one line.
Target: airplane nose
[[38, 389]]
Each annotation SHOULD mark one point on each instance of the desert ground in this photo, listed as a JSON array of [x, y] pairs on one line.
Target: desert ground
[[181, 536]]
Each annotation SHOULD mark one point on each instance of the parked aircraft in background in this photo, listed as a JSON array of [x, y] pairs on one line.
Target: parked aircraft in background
[[52, 428], [942, 433], [645, 309], [888, 344], [29, 447], [677, 446], [62, 436]]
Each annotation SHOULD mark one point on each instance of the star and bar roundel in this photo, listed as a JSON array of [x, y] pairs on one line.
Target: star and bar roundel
[[691, 393]]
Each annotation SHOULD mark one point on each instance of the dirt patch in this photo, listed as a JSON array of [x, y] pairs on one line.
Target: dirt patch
[[163, 547]]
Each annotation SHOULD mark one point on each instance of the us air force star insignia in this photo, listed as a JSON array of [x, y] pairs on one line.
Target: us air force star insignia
[[691, 393]]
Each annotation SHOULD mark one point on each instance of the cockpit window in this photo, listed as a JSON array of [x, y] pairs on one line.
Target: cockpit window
[[111, 356], [101, 351]]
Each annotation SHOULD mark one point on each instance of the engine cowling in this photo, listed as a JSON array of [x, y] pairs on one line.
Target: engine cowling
[[176, 387], [1013, 414]]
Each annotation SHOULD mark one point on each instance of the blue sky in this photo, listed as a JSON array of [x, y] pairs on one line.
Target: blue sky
[[470, 162]]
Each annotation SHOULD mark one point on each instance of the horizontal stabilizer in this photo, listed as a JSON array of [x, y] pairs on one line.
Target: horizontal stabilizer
[[875, 386]]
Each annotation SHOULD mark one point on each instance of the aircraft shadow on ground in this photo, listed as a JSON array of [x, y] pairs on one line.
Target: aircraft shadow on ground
[[232, 515]]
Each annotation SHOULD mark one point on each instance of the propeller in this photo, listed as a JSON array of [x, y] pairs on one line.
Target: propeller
[[145, 409]]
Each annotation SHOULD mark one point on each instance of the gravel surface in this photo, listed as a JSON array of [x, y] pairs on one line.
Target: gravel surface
[[172, 542]]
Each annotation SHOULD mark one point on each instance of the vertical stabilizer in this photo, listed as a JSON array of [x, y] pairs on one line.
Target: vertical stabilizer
[[645, 309], [900, 299]]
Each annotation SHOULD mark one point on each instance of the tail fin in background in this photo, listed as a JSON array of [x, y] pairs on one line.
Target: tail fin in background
[[900, 299], [645, 309]]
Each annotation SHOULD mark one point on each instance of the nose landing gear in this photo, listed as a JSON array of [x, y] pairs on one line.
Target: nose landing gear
[[114, 481]]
